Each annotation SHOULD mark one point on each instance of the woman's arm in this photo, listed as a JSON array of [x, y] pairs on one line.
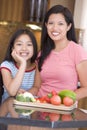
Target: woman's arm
[[82, 73], [37, 83]]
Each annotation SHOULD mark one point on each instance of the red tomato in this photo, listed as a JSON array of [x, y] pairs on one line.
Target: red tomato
[[67, 117], [55, 100], [47, 99], [44, 114], [42, 99], [54, 116], [54, 92], [67, 101]]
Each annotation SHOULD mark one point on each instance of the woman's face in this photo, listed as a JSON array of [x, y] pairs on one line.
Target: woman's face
[[23, 46], [57, 27]]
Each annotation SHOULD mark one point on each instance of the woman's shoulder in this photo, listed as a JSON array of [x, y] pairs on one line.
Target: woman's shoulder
[[76, 47], [78, 52], [74, 44]]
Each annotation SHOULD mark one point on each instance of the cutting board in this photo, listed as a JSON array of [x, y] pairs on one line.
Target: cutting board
[[46, 105]]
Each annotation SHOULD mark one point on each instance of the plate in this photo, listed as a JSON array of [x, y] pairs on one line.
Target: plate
[[46, 106]]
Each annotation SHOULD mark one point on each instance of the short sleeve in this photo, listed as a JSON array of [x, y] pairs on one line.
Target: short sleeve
[[6, 65], [80, 54]]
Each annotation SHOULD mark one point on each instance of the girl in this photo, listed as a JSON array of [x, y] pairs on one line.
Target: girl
[[18, 68]]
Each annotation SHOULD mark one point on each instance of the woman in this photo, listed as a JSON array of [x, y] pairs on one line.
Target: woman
[[62, 63]]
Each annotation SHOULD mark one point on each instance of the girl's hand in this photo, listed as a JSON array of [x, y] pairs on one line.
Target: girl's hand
[[17, 57], [21, 91]]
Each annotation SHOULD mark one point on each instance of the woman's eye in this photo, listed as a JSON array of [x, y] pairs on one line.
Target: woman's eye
[[60, 23], [50, 23]]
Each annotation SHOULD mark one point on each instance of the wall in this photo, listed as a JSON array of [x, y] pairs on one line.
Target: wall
[[80, 17], [67, 3], [12, 10]]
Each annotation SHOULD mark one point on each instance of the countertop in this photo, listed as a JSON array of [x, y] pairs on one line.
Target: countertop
[[11, 114]]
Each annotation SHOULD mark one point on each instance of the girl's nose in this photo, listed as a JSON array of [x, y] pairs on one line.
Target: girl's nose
[[24, 47]]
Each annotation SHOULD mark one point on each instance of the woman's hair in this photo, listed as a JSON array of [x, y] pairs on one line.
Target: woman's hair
[[47, 43], [18, 33]]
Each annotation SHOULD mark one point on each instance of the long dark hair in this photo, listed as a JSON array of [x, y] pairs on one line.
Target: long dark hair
[[8, 56], [18, 33], [47, 43], [1, 87]]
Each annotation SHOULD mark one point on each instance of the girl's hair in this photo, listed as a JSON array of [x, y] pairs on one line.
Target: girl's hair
[[47, 43], [18, 33], [1, 87]]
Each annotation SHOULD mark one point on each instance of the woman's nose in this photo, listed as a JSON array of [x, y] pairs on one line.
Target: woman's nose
[[55, 26]]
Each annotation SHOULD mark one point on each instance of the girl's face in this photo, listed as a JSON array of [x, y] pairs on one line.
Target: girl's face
[[23, 46], [57, 27]]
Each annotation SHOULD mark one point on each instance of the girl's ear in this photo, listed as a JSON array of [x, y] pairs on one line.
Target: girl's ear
[[69, 26], [12, 48]]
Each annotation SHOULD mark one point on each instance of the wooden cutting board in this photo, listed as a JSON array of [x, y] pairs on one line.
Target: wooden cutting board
[[46, 105]]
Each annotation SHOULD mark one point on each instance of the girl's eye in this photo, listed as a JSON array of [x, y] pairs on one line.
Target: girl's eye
[[29, 44], [18, 44]]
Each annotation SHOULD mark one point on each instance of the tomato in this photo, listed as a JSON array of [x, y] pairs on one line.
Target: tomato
[[44, 115], [54, 116], [67, 101], [41, 99], [54, 92], [47, 99], [55, 100], [66, 117]]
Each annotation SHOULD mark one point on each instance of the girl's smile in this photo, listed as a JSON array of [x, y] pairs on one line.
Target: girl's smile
[[23, 46]]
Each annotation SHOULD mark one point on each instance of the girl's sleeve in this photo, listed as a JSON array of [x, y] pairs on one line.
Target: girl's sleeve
[[5, 65]]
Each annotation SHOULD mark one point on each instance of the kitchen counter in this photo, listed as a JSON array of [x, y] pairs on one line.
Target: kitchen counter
[[14, 115]]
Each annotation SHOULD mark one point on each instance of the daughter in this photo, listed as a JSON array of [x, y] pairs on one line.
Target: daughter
[[18, 68]]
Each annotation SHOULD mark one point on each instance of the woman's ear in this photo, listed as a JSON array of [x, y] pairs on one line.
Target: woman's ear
[[46, 24], [69, 26]]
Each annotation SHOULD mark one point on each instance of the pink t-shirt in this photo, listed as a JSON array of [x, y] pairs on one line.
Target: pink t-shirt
[[59, 69]]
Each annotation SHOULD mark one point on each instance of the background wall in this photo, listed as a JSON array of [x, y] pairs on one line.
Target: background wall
[[67, 3], [13, 11]]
